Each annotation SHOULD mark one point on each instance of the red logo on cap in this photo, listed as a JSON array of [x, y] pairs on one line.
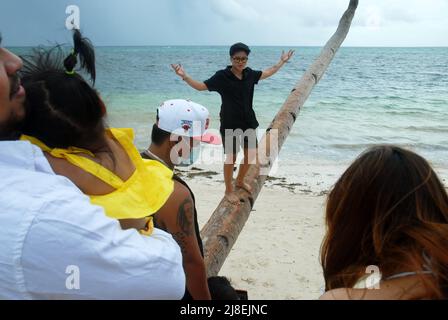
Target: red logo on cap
[[186, 124]]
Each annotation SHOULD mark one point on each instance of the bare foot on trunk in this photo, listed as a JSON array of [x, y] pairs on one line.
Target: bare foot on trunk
[[232, 198], [245, 186]]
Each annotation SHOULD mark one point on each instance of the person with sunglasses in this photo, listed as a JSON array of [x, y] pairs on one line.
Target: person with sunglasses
[[236, 85]]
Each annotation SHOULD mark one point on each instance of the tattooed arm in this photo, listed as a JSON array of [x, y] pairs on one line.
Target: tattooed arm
[[177, 218]]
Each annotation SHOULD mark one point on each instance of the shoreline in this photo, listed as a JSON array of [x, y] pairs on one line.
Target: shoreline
[[307, 179]]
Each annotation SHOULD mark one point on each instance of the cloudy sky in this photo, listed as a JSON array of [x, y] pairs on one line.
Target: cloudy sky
[[221, 22]]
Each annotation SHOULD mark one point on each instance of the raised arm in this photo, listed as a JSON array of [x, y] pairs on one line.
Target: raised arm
[[198, 85], [283, 59]]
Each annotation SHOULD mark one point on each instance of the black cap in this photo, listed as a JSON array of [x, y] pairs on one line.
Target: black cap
[[237, 47]]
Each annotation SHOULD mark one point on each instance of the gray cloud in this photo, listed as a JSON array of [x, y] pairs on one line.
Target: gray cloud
[[211, 22]]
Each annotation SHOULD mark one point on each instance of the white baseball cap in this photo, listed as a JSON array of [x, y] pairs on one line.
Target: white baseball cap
[[186, 118]]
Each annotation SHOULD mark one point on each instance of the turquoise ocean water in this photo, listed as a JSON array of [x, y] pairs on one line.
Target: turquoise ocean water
[[367, 96]]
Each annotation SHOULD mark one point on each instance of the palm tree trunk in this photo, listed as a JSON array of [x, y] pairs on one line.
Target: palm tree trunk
[[225, 224]]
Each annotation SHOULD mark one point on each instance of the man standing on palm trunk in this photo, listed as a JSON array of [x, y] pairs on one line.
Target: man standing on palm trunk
[[236, 85]]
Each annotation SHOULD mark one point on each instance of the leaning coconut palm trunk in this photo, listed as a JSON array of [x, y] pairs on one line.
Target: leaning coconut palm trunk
[[225, 224]]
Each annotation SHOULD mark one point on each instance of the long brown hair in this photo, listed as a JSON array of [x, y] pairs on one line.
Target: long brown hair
[[388, 209]]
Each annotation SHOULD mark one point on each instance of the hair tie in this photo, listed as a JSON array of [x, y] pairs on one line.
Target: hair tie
[[74, 55]]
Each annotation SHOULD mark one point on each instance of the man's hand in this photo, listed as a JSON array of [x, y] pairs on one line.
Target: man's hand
[[191, 82], [286, 56], [283, 59], [179, 70]]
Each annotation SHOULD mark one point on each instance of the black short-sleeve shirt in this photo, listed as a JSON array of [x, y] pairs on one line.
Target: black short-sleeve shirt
[[237, 97]]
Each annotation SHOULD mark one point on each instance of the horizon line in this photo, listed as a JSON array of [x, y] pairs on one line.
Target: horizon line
[[226, 45]]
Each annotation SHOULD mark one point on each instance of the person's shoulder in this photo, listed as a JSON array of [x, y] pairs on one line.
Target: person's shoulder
[[336, 294], [361, 294], [225, 70], [352, 294], [67, 203], [53, 205], [127, 133], [33, 183], [180, 192], [180, 195], [221, 73], [252, 71]]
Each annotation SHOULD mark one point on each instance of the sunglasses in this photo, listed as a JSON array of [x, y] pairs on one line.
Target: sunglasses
[[240, 59]]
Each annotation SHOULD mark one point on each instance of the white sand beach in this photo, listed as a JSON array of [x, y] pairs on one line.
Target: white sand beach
[[277, 254]]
